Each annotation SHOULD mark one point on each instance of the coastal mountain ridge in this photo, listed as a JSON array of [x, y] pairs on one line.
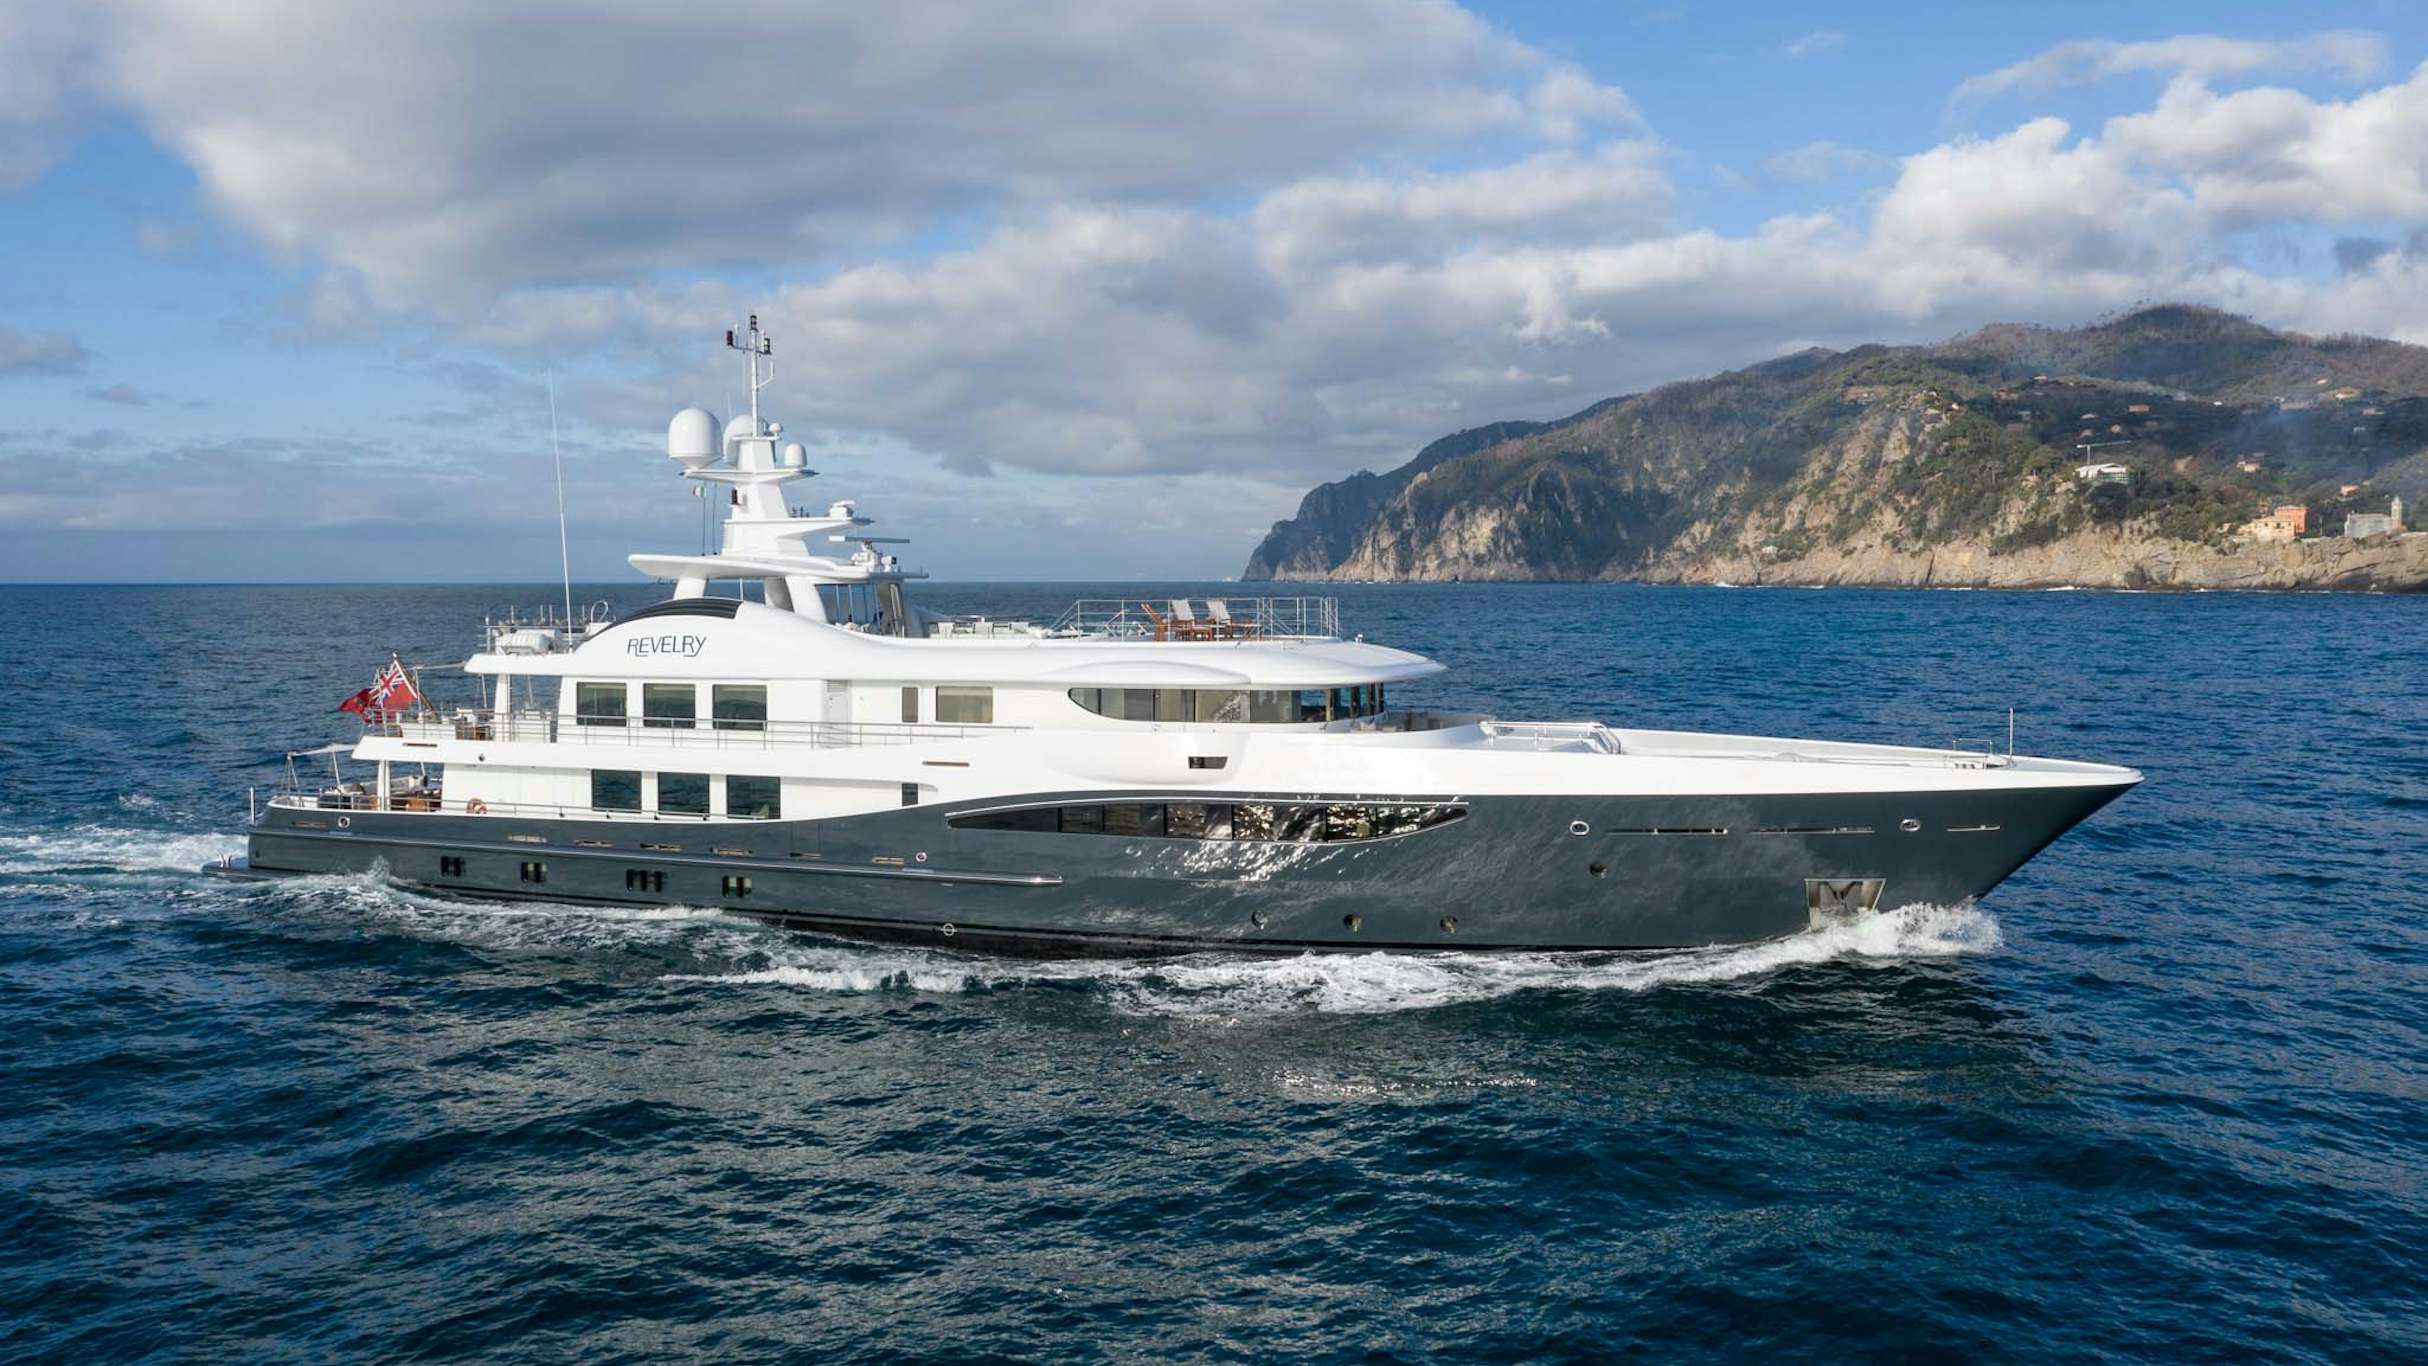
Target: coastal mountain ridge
[[1954, 463]]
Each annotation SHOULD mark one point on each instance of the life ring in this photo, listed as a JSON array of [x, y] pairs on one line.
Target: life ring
[[476, 807]]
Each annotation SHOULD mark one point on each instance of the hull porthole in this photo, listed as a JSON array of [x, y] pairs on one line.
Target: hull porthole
[[345, 822], [1353, 922], [945, 929], [1579, 828], [1450, 924], [1909, 825], [1259, 919]]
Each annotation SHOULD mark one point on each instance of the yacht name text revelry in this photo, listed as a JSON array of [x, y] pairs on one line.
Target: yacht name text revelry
[[665, 645]]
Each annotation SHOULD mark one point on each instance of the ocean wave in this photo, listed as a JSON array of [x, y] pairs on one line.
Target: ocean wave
[[1368, 983]]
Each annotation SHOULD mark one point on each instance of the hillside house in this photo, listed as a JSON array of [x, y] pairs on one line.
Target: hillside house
[[2287, 523], [2104, 472]]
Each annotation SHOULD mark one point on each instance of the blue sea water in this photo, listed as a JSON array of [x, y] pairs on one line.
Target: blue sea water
[[2162, 1096]]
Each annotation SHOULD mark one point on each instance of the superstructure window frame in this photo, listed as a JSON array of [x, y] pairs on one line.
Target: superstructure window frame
[[670, 706], [744, 792], [607, 783], [590, 704], [965, 704], [690, 793], [737, 706]]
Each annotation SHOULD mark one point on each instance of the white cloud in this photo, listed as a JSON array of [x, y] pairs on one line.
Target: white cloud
[[446, 154], [45, 53], [1567, 103], [1618, 190], [40, 353], [2272, 153], [2198, 56], [1818, 41], [1815, 162]]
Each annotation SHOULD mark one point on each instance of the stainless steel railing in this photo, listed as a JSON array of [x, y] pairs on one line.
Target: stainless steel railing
[[1201, 618]]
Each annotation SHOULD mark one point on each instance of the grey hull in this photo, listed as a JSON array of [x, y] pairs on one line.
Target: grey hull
[[1647, 873]]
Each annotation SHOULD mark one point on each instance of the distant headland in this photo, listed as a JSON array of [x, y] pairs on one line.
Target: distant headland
[[2171, 447]]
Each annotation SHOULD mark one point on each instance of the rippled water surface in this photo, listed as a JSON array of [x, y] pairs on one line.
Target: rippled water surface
[[2163, 1095]]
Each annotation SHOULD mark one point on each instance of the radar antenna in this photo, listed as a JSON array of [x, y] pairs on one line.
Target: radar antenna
[[756, 345]]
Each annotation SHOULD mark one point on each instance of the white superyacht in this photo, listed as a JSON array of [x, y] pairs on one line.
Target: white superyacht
[[790, 737]]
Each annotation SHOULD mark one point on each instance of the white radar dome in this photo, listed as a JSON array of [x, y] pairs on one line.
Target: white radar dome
[[795, 455], [691, 439], [742, 428]]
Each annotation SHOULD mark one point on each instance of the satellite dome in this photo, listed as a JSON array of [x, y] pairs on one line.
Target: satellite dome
[[795, 455], [691, 439], [742, 428]]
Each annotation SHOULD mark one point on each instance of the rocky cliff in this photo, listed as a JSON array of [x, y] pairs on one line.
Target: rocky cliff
[[1953, 464]]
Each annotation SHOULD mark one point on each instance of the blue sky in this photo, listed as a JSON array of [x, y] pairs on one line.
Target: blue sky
[[1060, 291]]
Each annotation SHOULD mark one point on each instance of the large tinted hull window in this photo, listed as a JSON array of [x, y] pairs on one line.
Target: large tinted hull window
[[1268, 822]]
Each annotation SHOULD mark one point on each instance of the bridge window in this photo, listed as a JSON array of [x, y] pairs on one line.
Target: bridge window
[[598, 704], [965, 706], [683, 794], [910, 706], [670, 705], [752, 798], [1263, 706], [615, 789], [739, 706]]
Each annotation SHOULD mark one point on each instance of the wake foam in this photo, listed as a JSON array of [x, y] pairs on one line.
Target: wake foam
[[111, 849], [1371, 983], [370, 896]]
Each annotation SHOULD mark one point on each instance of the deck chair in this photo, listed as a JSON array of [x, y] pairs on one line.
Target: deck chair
[[1162, 626], [1185, 624], [1218, 615]]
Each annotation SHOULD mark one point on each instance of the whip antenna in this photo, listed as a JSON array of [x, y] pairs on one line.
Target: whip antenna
[[564, 554]]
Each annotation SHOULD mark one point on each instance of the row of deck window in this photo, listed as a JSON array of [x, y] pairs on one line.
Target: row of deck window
[[747, 796], [743, 706], [1270, 821], [672, 706], [1251, 705]]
